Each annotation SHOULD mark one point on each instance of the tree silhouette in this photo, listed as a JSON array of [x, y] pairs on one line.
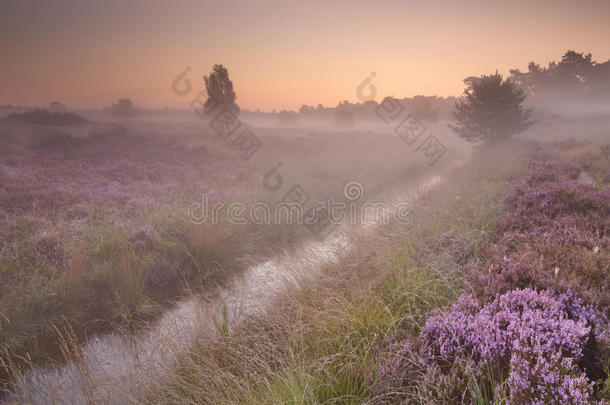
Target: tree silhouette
[[287, 117], [573, 72], [423, 109], [124, 108], [490, 110], [344, 116], [575, 76], [220, 91], [599, 82], [307, 112], [57, 107]]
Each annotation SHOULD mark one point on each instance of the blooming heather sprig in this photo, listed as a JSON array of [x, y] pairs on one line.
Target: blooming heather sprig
[[558, 322], [538, 379], [534, 338], [529, 339]]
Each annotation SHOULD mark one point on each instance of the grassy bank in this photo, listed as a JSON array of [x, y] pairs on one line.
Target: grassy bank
[[368, 331], [94, 231], [322, 342]]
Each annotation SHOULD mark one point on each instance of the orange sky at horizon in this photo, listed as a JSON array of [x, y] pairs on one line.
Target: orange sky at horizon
[[279, 54]]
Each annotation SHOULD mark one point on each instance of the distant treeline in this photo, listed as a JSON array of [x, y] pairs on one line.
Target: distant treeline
[[429, 109], [575, 78]]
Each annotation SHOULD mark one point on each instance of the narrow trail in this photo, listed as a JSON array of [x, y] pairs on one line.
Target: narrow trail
[[116, 363]]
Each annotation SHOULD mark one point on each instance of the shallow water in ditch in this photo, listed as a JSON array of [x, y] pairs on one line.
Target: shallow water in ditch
[[113, 364]]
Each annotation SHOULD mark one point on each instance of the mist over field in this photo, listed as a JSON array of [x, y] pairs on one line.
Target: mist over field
[[271, 202]]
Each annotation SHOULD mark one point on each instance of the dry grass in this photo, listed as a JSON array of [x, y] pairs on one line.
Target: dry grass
[[100, 240], [319, 342]]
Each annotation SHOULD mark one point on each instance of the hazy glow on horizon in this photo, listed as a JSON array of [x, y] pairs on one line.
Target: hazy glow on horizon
[[280, 54]]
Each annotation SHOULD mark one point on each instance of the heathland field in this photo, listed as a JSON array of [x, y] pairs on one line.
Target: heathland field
[[499, 294], [494, 287], [304, 203], [95, 228]]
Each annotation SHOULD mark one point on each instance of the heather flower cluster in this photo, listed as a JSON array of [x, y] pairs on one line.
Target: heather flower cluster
[[97, 196], [534, 342], [556, 236], [535, 329], [537, 336]]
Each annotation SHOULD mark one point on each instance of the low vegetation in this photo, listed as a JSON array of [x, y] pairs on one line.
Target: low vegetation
[[96, 230], [124, 108], [416, 325], [46, 117], [495, 293], [532, 325]]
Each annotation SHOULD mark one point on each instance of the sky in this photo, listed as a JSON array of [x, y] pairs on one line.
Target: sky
[[280, 54]]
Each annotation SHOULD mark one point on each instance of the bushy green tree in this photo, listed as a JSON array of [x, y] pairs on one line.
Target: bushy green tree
[[490, 110]]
